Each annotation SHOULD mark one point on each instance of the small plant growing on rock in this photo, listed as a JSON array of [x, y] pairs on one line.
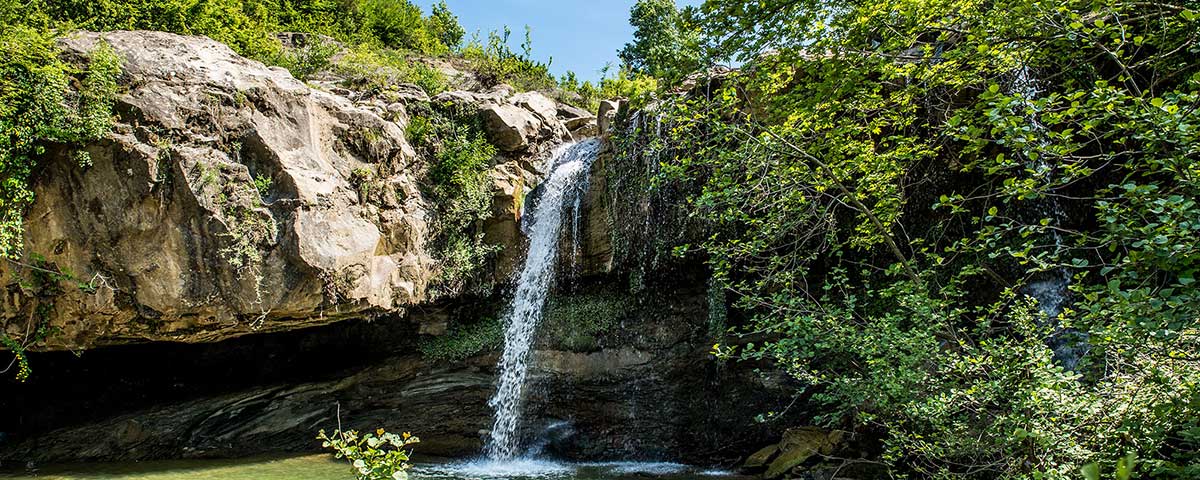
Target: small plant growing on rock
[[362, 178], [263, 185], [375, 456]]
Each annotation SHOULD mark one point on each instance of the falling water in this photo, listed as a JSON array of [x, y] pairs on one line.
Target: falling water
[[536, 277], [1051, 290]]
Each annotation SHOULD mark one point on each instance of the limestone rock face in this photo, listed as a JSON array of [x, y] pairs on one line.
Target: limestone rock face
[[229, 198], [510, 127], [606, 116]]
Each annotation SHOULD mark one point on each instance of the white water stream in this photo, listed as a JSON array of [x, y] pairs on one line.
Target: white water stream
[[562, 189]]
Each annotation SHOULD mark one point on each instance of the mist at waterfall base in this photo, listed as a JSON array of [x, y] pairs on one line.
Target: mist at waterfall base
[[506, 455]]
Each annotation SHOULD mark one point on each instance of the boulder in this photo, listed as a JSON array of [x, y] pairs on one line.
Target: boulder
[[545, 108], [606, 116], [229, 198], [407, 94], [799, 445], [509, 127], [503, 227], [761, 458], [574, 117]]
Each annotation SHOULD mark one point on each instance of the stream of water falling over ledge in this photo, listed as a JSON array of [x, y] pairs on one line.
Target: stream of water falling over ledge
[[563, 186]]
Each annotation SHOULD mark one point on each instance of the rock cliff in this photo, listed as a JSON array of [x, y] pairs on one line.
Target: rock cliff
[[231, 198]]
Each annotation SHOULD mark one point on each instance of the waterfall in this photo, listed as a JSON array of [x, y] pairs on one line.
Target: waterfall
[[561, 189], [1050, 291]]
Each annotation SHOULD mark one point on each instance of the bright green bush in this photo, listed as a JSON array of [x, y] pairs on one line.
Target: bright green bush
[[38, 107], [464, 341], [399, 24], [374, 456]]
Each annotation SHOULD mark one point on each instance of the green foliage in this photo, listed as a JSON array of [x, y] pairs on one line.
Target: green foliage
[[453, 138], [19, 359], [640, 89], [464, 341], [305, 61], [367, 67], [374, 456], [495, 63], [399, 24], [883, 187], [575, 322], [666, 40], [39, 108], [263, 185], [444, 26]]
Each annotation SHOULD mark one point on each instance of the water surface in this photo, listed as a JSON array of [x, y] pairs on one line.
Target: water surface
[[324, 467]]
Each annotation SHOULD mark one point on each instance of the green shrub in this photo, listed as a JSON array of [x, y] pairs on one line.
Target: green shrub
[[495, 63], [374, 456], [445, 27], [305, 61], [461, 156], [38, 107], [464, 341], [576, 321], [365, 66], [399, 24], [262, 184]]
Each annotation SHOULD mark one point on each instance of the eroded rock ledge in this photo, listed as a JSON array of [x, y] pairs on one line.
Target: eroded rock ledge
[[229, 199]]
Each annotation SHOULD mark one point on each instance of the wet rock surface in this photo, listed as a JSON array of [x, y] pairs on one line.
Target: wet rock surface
[[645, 387]]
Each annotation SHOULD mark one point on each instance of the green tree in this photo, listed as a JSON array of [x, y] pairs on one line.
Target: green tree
[[886, 184], [398, 24], [666, 40], [445, 27]]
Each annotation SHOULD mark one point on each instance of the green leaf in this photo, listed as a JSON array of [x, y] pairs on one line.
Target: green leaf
[[1091, 471]]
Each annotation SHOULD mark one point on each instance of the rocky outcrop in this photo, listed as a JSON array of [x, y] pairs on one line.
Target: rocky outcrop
[[231, 198], [797, 453], [630, 380]]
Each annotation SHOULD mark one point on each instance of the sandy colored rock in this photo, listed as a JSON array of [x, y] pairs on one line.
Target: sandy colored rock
[[509, 127], [170, 231]]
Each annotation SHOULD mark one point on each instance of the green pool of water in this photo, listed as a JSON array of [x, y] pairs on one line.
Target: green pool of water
[[324, 467]]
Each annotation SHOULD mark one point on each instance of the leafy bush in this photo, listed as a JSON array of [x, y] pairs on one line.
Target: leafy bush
[[918, 170], [464, 341], [374, 456], [399, 24], [444, 26], [495, 63], [307, 60], [640, 89], [38, 107], [461, 156], [369, 67]]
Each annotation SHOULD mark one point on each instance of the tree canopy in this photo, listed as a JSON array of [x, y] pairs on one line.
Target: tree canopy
[[966, 226]]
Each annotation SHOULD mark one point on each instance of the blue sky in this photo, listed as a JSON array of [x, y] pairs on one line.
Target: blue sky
[[580, 35]]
